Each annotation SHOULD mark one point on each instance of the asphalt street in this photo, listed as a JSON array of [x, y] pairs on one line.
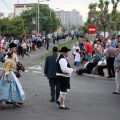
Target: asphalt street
[[88, 99]]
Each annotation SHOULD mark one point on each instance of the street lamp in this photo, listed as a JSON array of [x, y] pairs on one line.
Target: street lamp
[[51, 16], [39, 15]]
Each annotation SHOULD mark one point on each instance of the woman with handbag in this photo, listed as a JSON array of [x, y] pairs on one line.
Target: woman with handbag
[[10, 87]]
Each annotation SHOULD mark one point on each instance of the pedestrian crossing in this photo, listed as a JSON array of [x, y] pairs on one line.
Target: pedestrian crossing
[[37, 69]]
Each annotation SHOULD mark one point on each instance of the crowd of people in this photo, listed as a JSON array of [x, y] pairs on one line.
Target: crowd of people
[[11, 89], [27, 44], [95, 57], [90, 58]]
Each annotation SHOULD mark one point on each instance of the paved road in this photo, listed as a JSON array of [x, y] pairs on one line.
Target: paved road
[[89, 99]]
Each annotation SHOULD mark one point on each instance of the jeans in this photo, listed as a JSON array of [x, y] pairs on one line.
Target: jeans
[[81, 71], [1, 58], [88, 57], [77, 63], [55, 88]]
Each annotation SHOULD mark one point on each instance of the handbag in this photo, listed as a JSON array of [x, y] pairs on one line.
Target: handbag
[[17, 74]]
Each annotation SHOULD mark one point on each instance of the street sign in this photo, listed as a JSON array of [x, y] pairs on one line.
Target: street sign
[[91, 29]]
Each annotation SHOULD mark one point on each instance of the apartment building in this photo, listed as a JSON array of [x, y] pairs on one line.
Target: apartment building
[[68, 18]]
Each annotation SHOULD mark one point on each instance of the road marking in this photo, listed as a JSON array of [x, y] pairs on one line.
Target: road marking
[[36, 72], [37, 67], [1, 68], [26, 71]]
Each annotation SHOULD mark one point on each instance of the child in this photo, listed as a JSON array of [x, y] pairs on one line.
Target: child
[[77, 58]]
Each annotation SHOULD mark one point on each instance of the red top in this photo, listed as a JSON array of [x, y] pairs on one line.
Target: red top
[[88, 48]]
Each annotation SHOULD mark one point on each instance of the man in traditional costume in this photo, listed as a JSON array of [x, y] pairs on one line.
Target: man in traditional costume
[[64, 71]]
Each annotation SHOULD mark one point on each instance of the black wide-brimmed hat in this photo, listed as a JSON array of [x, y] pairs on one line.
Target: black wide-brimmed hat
[[12, 45], [64, 49]]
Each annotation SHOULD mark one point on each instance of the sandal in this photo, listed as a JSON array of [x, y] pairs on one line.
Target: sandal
[[2, 106], [16, 105]]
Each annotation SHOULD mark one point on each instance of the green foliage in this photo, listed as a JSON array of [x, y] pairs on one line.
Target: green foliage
[[13, 27], [47, 23], [102, 17]]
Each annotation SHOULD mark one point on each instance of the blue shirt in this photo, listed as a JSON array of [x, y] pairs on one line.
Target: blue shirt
[[114, 43], [33, 38]]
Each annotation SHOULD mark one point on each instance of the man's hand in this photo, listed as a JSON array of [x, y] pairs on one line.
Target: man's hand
[[117, 70], [74, 70]]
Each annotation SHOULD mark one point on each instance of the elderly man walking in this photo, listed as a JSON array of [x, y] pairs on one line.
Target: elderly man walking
[[110, 56]]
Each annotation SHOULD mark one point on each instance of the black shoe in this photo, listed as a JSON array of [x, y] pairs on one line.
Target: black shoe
[[7, 102], [109, 77], [58, 102], [52, 100], [20, 103], [64, 108], [115, 93]]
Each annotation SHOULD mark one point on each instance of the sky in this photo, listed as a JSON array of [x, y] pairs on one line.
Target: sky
[[79, 5]]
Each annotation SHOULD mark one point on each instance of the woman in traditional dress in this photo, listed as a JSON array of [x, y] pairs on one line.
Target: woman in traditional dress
[[10, 87]]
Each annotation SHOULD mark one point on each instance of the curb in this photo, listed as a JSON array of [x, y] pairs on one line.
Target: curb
[[97, 77]]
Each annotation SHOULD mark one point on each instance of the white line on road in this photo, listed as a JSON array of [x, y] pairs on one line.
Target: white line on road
[[37, 67], [36, 72], [1, 68]]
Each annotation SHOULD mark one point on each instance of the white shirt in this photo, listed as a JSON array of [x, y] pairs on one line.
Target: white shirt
[[85, 65], [24, 45], [2, 41], [109, 41], [74, 49], [63, 65], [77, 57]]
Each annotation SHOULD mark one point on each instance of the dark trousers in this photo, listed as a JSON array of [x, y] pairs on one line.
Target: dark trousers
[[47, 46], [90, 66], [19, 50], [100, 70], [110, 64], [64, 83], [38, 44], [24, 52], [55, 88], [81, 71]]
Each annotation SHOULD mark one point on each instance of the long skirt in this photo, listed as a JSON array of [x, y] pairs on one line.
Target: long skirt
[[11, 91]]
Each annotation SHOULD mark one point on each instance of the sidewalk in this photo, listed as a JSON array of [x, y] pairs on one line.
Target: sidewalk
[[97, 77]]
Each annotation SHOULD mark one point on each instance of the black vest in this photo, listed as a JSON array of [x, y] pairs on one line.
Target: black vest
[[58, 65]]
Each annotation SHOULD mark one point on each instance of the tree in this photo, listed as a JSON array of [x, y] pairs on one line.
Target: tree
[[102, 18], [47, 23], [13, 27]]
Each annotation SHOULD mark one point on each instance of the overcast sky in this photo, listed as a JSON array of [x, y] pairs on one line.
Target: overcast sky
[[80, 5]]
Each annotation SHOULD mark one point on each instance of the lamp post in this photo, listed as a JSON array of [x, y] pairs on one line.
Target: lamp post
[[50, 17], [38, 18], [39, 15]]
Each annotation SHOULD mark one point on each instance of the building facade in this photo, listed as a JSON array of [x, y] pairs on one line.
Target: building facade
[[69, 18], [19, 8], [11, 16], [2, 15]]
